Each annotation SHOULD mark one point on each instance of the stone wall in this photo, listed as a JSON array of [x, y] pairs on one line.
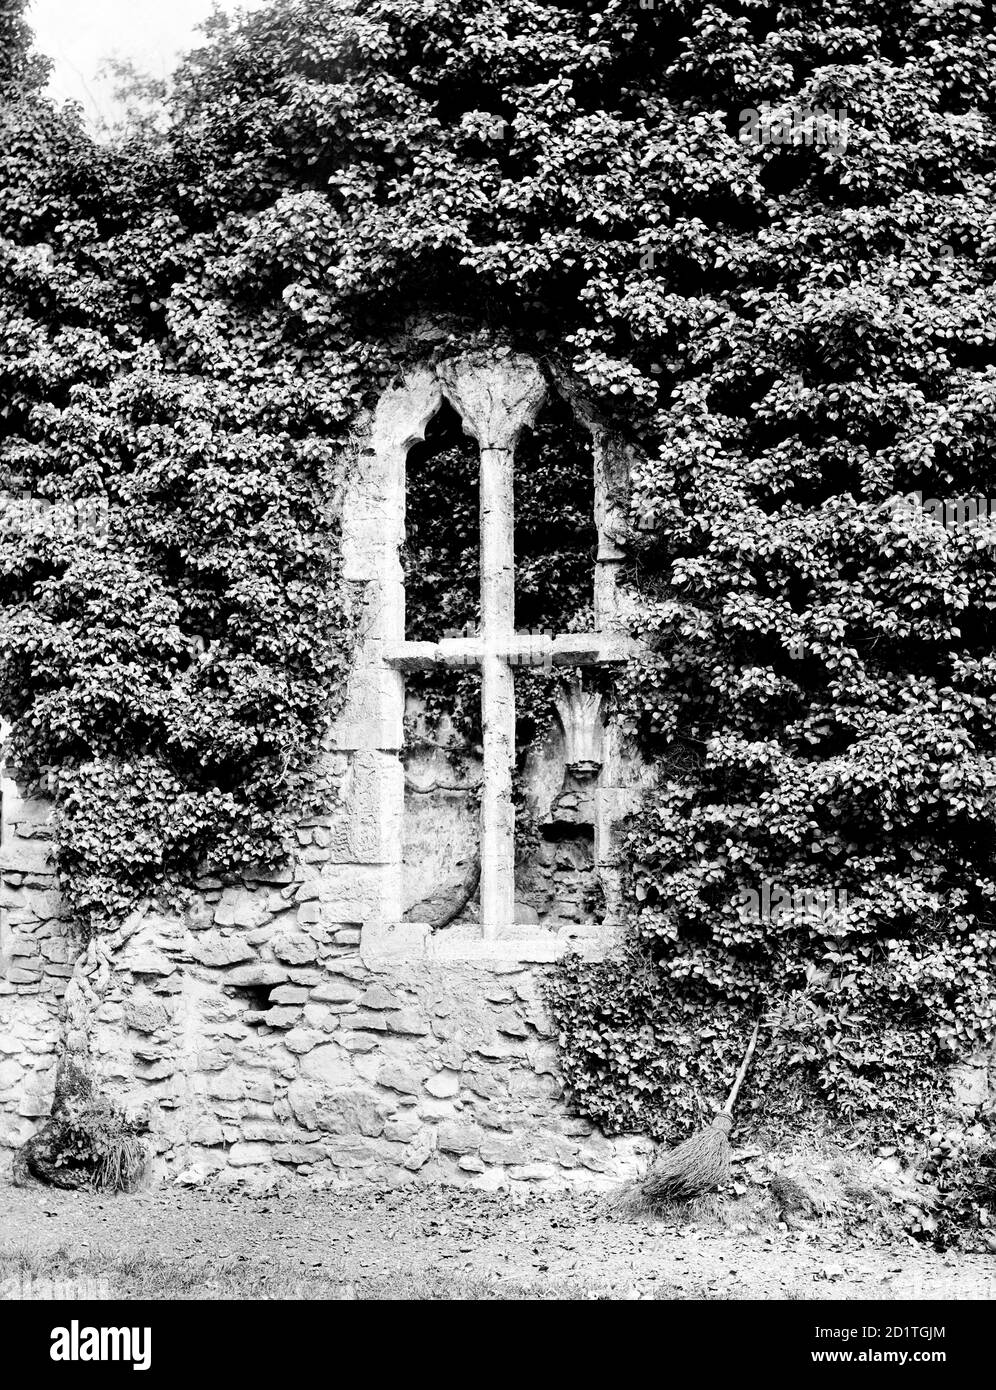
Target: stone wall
[[36, 955], [263, 1043], [295, 1020]]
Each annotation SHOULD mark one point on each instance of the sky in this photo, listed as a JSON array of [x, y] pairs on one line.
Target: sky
[[78, 35]]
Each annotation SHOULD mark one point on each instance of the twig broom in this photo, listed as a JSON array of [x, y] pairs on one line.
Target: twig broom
[[702, 1162]]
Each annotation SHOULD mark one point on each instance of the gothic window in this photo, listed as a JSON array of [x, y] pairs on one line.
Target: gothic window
[[495, 401]]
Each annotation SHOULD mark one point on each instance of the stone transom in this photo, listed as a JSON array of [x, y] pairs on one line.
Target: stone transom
[[497, 397]]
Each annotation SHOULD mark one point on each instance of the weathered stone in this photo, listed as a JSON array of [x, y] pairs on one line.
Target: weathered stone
[[372, 1022], [336, 991], [227, 1085], [247, 1155], [320, 1016], [239, 908], [217, 950], [295, 948], [416, 1156], [351, 1112], [533, 1172], [500, 1049], [10, 1074], [349, 1151], [452, 1055], [302, 1097], [199, 915], [260, 973], [206, 1131], [454, 1138], [33, 1105], [157, 1071], [444, 1083], [212, 1059], [970, 1083], [399, 1078], [408, 1022], [264, 1131], [19, 975], [329, 1064], [281, 1016], [498, 1149], [26, 857], [402, 1129], [302, 1040], [377, 997], [146, 961], [509, 1022], [597, 1159], [290, 994], [296, 1154]]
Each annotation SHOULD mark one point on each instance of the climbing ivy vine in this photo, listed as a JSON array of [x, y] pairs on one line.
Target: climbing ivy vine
[[793, 329]]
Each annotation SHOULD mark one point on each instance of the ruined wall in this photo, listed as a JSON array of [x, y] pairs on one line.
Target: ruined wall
[[36, 955], [295, 1020], [263, 1044]]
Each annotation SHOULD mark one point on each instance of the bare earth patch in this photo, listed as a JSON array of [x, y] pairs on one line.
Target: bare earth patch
[[443, 1243]]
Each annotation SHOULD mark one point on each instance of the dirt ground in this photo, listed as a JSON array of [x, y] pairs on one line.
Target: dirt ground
[[443, 1242]]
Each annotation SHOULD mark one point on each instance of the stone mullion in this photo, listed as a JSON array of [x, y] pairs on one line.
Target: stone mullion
[[497, 690], [496, 396]]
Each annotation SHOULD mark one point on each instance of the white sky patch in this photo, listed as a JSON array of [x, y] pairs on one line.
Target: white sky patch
[[79, 35]]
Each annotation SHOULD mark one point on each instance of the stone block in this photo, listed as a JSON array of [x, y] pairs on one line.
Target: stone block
[[226, 1085], [215, 950], [504, 1150], [10, 1074], [330, 1065], [145, 960], [399, 1078], [533, 1172], [243, 1155], [302, 1040], [259, 973], [336, 991], [29, 857], [443, 1084], [408, 1023], [207, 1132], [402, 1129], [377, 997], [456, 1138], [240, 908], [295, 948]]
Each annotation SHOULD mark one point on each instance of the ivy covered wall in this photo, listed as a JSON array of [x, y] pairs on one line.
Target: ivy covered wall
[[793, 323]]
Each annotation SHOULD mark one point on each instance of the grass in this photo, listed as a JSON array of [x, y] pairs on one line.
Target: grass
[[64, 1273]]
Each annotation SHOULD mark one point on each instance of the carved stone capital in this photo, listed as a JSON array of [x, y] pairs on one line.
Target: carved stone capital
[[496, 397], [580, 714]]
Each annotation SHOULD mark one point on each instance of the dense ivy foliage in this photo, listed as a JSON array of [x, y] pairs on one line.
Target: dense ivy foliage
[[170, 632], [792, 330]]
